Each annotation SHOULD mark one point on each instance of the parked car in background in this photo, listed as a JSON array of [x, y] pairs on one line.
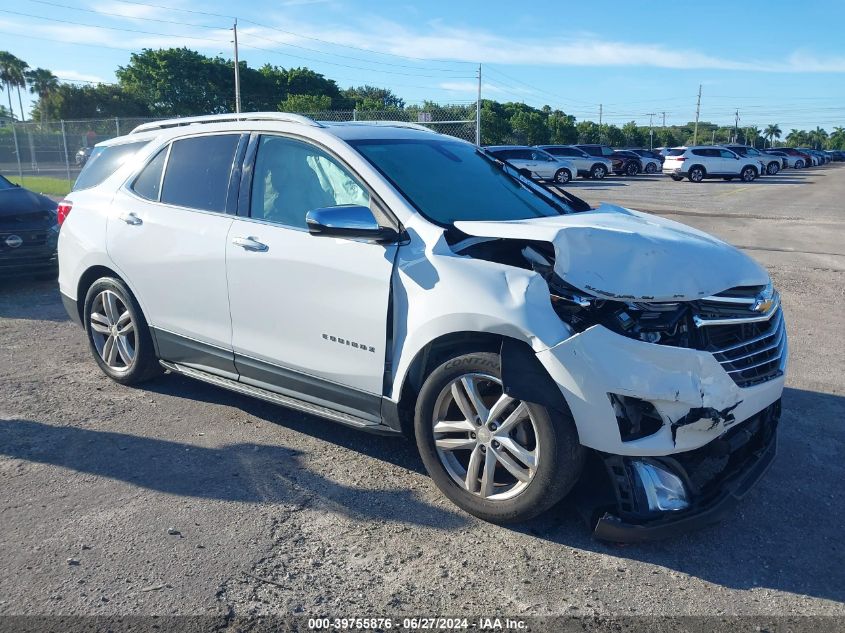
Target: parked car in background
[[647, 153], [837, 155], [28, 232], [596, 149], [588, 166], [652, 162], [536, 162], [397, 280], [708, 161], [795, 159], [626, 163], [769, 163], [82, 155]]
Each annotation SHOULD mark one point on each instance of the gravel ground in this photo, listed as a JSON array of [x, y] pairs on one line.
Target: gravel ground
[[180, 498]]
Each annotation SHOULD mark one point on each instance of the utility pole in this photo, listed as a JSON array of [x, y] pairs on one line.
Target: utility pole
[[237, 70], [650, 131], [664, 118], [600, 130], [697, 113], [736, 127], [478, 111]]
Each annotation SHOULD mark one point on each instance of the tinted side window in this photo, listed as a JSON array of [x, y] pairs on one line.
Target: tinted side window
[[103, 162], [292, 178], [592, 151], [726, 154], [148, 183], [701, 152], [522, 154], [606, 151], [198, 172]]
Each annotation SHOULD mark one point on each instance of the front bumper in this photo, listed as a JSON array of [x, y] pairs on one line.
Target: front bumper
[[717, 478]]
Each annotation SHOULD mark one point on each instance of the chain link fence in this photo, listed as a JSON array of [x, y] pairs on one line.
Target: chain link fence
[[37, 153]]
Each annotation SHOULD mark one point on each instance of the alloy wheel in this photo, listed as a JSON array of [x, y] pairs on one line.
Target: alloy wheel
[[113, 331], [486, 440]]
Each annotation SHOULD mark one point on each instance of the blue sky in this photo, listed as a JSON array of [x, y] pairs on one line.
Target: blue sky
[[777, 62]]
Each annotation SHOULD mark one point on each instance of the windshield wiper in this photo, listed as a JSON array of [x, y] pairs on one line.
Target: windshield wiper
[[526, 183]]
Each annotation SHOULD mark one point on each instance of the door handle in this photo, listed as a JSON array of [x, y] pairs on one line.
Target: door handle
[[131, 218], [250, 244]]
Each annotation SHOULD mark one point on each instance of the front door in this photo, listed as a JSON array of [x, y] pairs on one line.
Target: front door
[[309, 313]]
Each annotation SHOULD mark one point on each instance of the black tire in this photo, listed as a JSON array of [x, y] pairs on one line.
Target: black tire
[[772, 168], [799, 164], [651, 168], [748, 173], [559, 465], [677, 178], [144, 364], [563, 176], [696, 173], [598, 172], [632, 169]]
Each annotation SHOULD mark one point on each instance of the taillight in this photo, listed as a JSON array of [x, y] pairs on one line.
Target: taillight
[[63, 210]]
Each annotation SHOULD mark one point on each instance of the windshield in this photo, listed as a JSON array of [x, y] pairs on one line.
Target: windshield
[[449, 181], [5, 184]]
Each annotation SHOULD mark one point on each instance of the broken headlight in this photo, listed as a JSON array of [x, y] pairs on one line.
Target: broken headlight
[[665, 323]]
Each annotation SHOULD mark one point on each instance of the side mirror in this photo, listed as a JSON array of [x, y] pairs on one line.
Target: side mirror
[[348, 221]]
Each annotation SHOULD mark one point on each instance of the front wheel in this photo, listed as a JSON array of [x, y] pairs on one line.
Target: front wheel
[[598, 172], [799, 164], [563, 176], [632, 169], [118, 334], [772, 169], [497, 457], [651, 168], [748, 174]]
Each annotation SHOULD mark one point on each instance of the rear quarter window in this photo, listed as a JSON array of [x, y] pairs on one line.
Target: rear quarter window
[[104, 161], [676, 152]]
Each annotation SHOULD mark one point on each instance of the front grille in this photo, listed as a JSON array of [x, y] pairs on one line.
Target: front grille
[[750, 352]]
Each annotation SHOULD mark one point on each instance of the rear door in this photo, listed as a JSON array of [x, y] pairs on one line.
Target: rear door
[[167, 235]]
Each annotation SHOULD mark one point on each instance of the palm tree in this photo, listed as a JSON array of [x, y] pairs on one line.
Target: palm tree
[[43, 83], [772, 132], [819, 136], [12, 71], [752, 133]]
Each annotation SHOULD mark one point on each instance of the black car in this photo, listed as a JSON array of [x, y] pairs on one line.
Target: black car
[[626, 163], [29, 232]]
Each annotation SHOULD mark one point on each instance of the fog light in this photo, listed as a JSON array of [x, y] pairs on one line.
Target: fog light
[[664, 491]]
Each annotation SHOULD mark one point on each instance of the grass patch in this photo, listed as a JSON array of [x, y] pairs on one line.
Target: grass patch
[[44, 184]]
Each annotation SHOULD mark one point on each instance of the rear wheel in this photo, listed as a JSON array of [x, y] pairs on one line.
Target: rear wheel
[[563, 176], [651, 168], [598, 172], [696, 174], [632, 169], [497, 457], [799, 164], [772, 168], [118, 334]]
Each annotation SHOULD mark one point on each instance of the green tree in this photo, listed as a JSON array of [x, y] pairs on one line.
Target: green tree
[[372, 98], [43, 83], [818, 138], [12, 74], [495, 124], [772, 132], [588, 132], [562, 128], [305, 103], [89, 102], [529, 127], [634, 137], [665, 137], [612, 135]]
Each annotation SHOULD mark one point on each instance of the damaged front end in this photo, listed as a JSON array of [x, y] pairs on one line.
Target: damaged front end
[[674, 369]]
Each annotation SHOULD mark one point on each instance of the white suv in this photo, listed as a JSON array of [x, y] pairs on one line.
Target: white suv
[[401, 281], [709, 161], [535, 163]]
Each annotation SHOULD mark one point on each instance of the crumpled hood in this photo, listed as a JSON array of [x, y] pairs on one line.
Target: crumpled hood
[[618, 253]]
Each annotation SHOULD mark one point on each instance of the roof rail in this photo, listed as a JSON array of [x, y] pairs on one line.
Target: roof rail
[[406, 124], [224, 118]]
